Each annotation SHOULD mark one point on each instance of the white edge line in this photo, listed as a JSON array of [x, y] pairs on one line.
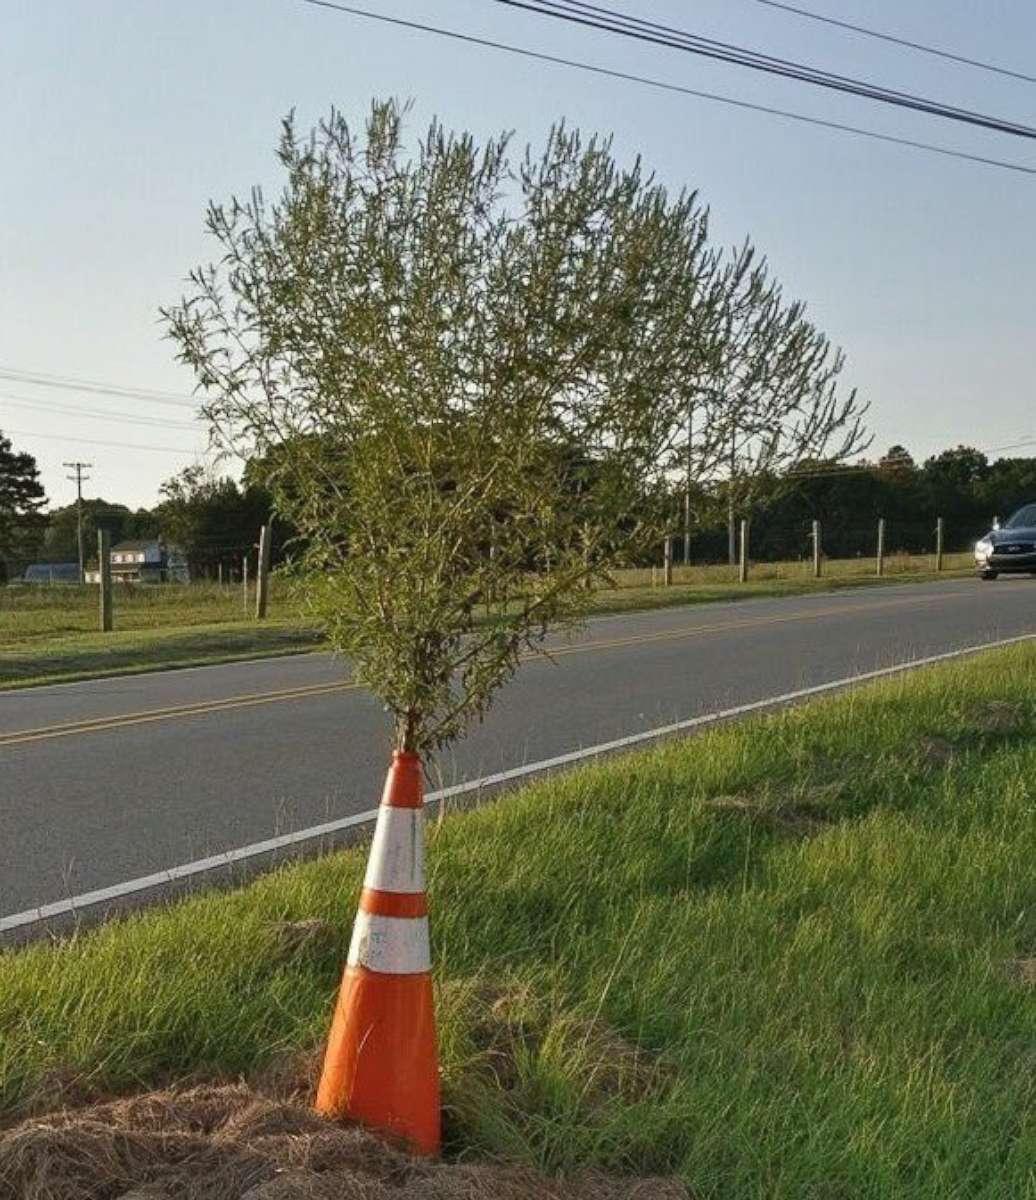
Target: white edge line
[[187, 870]]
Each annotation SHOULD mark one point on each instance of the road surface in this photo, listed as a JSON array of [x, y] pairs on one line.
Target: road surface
[[111, 780]]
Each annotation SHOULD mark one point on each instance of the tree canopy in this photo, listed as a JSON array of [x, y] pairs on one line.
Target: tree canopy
[[60, 543], [22, 500], [470, 371], [210, 518]]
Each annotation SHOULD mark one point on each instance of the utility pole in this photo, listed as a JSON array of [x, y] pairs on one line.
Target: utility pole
[[78, 479]]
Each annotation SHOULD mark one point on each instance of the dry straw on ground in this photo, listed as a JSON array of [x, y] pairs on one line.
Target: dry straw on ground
[[233, 1142], [798, 812]]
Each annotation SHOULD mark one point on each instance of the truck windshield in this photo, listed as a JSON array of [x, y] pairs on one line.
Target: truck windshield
[[1024, 518]]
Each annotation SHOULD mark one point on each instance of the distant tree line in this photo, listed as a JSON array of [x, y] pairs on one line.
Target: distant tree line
[[215, 520], [960, 485], [212, 519]]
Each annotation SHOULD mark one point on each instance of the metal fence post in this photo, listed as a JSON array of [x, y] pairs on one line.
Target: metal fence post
[[742, 572], [816, 549], [881, 546], [104, 556]]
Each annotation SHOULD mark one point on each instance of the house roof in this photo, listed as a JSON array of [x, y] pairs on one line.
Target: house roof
[[137, 544]]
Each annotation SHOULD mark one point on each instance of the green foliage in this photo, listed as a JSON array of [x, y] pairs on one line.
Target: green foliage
[[211, 519], [771, 388], [21, 499], [468, 374], [960, 485], [60, 543]]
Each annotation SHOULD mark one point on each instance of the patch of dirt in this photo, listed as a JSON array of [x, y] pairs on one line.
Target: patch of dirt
[[511, 1026], [232, 1142], [998, 717], [934, 751], [295, 938], [1021, 971], [803, 812]]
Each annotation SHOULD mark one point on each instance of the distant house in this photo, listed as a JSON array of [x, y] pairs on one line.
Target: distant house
[[51, 573], [147, 561]]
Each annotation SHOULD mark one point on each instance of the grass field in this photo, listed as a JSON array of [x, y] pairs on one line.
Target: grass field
[[49, 634], [793, 958]]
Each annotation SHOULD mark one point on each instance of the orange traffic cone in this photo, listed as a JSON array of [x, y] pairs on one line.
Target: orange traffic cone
[[381, 1067]]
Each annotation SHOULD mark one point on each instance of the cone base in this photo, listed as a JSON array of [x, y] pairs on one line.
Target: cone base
[[381, 1065]]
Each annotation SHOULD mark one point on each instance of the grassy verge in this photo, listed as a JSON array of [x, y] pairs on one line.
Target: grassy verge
[[97, 655], [49, 635], [791, 958], [765, 583]]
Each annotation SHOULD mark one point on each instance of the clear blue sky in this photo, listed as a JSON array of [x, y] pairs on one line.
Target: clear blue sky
[[122, 119]]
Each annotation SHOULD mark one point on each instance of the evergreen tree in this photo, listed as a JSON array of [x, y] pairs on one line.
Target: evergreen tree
[[21, 500]]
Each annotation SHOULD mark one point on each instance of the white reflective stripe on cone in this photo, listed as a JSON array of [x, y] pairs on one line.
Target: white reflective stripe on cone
[[396, 861], [393, 945]]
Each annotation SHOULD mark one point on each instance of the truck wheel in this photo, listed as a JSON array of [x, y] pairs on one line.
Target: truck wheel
[[989, 574]]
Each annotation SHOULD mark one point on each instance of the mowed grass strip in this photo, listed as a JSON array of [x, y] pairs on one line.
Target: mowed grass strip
[[133, 652], [790, 958], [50, 634]]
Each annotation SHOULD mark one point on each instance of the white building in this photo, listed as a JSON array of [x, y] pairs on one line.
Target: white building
[[144, 561]]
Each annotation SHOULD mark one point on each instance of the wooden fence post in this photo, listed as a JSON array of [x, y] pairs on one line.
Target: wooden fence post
[[742, 571], [262, 586], [667, 562], [816, 550], [881, 546], [938, 543], [104, 556]]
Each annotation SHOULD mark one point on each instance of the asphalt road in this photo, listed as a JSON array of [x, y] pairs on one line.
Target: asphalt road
[[106, 781]]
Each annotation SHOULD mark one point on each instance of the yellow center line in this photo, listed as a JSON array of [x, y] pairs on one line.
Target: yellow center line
[[668, 635], [304, 692], [98, 724]]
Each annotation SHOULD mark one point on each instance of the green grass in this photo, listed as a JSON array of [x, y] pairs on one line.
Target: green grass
[[49, 634], [97, 655], [704, 585], [780, 959], [31, 614]]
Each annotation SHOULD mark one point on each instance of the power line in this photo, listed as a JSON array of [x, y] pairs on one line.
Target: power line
[[899, 41], [97, 414], [594, 16], [70, 383], [661, 85], [61, 437]]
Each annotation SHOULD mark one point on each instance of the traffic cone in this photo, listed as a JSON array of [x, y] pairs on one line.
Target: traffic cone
[[381, 1067]]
